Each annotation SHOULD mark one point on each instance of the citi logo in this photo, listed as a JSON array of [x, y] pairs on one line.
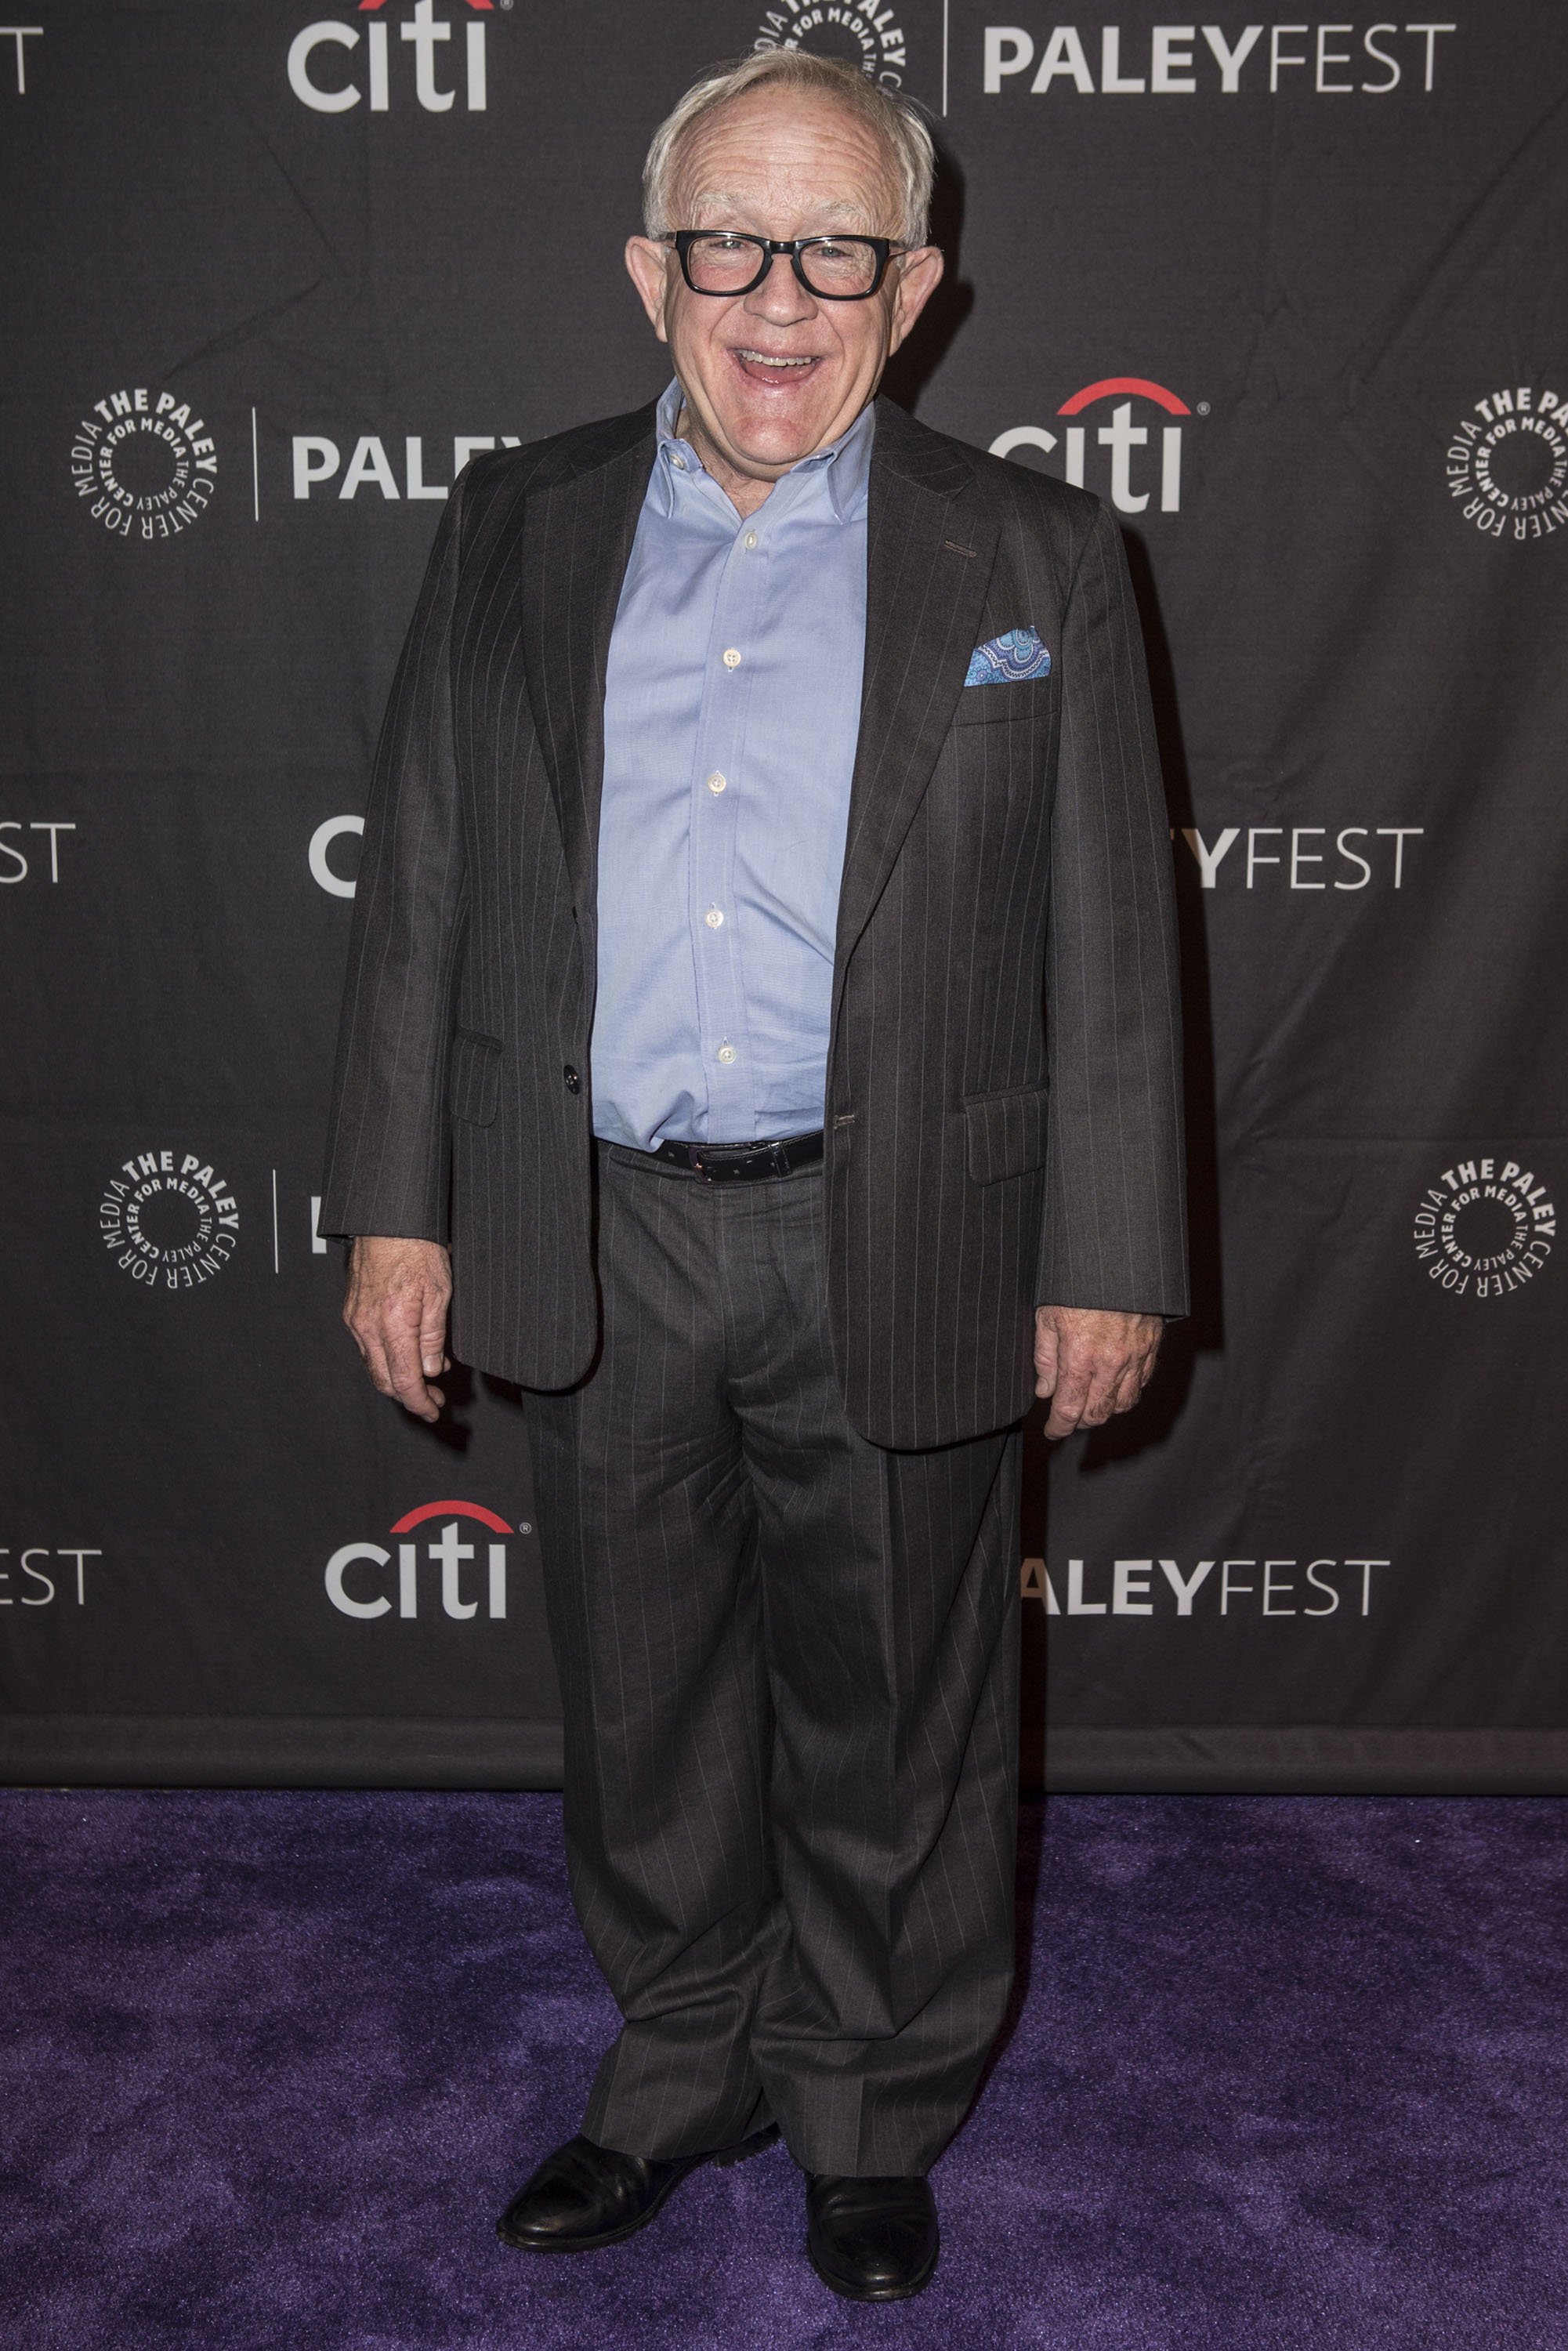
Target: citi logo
[[453, 1566], [328, 85], [1124, 439]]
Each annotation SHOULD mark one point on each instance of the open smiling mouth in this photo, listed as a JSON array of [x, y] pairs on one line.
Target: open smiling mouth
[[773, 367]]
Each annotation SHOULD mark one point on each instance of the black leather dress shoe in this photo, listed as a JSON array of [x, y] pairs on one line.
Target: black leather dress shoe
[[872, 2240], [584, 2196]]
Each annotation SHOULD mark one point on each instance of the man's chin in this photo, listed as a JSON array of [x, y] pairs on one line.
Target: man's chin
[[769, 445]]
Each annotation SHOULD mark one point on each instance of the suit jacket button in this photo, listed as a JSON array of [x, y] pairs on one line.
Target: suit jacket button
[[573, 1083]]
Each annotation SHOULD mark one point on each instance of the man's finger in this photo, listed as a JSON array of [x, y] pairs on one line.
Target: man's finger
[[1091, 1386], [433, 1336], [372, 1355], [416, 1396], [1046, 1359], [1101, 1402], [1070, 1395], [372, 1339], [408, 1383]]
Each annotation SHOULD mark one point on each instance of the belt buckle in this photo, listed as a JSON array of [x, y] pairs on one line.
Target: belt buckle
[[716, 1170], [743, 1164]]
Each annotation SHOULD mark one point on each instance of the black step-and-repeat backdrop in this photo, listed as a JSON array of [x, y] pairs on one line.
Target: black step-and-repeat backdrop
[[1290, 295]]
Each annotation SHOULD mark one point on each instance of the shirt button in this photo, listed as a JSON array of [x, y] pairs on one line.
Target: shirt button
[[751, 539], [679, 464], [573, 1083], [715, 782], [714, 919], [726, 1053], [731, 658]]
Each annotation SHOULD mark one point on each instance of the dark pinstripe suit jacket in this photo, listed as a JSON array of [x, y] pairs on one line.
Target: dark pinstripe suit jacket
[[1003, 1120]]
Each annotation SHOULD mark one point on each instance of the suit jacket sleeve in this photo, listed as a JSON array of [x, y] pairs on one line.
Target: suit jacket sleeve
[[1114, 1228], [388, 1162]]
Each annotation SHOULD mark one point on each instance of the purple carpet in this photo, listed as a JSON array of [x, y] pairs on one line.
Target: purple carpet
[[1282, 2071]]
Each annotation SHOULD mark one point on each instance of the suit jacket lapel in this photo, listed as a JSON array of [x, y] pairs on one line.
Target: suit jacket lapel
[[931, 548], [577, 542]]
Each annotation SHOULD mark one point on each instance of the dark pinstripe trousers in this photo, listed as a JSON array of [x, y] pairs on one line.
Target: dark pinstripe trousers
[[789, 1661]]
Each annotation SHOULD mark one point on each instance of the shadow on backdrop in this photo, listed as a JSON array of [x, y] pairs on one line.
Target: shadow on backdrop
[[910, 370]]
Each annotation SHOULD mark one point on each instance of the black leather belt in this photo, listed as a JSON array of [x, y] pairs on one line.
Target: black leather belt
[[742, 1162]]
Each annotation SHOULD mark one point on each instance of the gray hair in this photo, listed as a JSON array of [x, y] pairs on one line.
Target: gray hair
[[897, 122]]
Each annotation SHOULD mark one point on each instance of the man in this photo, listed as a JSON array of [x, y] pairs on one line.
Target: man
[[762, 982]]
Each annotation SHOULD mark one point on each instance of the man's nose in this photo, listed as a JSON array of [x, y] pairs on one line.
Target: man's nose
[[780, 297]]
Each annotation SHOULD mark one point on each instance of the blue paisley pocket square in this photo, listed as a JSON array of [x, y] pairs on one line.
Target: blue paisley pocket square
[[1017, 654]]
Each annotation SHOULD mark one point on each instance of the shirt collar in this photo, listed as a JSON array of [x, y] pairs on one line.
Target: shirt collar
[[846, 462]]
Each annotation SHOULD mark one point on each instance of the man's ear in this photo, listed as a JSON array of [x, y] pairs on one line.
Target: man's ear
[[647, 264], [919, 276]]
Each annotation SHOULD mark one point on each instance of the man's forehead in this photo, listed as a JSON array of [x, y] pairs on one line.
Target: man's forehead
[[746, 153], [709, 205]]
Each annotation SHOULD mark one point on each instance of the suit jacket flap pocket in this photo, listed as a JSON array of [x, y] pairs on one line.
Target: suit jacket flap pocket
[[1007, 1132], [475, 1076]]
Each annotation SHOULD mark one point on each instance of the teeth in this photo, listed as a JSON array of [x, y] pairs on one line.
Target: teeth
[[765, 359]]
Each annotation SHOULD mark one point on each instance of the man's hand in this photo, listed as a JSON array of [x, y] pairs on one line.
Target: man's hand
[[396, 1308], [1091, 1362]]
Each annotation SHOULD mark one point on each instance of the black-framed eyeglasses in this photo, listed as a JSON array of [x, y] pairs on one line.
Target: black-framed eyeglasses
[[728, 261]]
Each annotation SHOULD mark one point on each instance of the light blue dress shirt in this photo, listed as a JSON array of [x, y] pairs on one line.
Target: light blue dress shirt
[[731, 717]]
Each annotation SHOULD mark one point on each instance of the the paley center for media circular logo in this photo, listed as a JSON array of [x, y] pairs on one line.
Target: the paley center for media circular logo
[[1508, 463], [1486, 1228], [169, 1220], [869, 37], [145, 462]]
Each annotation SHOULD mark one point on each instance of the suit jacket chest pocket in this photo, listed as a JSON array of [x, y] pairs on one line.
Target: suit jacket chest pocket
[[1019, 697]]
